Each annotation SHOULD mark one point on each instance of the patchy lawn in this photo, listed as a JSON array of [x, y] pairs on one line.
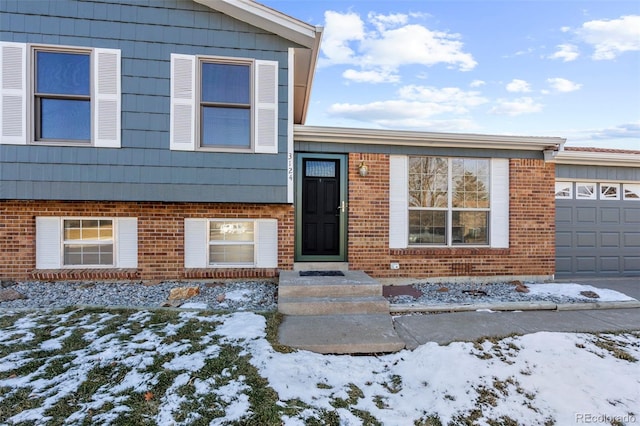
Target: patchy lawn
[[125, 367]]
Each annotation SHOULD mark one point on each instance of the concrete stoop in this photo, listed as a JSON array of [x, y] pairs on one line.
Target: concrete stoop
[[335, 314]]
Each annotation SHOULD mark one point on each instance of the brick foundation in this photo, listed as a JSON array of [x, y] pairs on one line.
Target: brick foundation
[[160, 238], [531, 249]]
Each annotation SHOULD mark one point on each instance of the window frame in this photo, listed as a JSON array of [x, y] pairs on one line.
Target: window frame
[[231, 243], [603, 196], [633, 188], [450, 209], [564, 184], [35, 97], [592, 196], [200, 104], [112, 241]]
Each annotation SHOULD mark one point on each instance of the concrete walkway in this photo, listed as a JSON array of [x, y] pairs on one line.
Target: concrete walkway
[[445, 328]]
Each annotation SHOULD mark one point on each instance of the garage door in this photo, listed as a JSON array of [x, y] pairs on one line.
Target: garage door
[[597, 229]]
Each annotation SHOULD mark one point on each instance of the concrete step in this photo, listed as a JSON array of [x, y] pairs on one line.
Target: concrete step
[[341, 334], [333, 305], [353, 283]]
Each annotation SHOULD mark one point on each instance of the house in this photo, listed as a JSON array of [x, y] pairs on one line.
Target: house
[[166, 140]]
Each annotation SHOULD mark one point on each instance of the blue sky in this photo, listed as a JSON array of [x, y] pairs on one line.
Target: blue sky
[[533, 68]]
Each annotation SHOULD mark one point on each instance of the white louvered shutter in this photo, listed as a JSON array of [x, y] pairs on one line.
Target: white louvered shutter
[[398, 201], [499, 226], [48, 243], [127, 242], [108, 98], [183, 103], [266, 243], [266, 107], [195, 243], [13, 93]]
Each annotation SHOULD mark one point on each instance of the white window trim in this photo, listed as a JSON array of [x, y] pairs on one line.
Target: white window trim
[[50, 242], [185, 119], [196, 243], [560, 186], [632, 187], [399, 206], [601, 194], [594, 194], [16, 59]]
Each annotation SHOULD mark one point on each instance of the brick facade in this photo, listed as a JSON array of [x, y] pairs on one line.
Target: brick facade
[[531, 249], [160, 238]]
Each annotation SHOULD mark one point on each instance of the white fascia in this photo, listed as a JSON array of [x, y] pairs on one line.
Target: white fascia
[[425, 139], [268, 19], [598, 158]]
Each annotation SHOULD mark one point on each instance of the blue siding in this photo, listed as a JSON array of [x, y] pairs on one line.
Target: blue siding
[[144, 169]]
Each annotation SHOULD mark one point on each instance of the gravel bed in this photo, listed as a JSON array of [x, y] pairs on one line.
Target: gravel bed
[[232, 295], [495, 293]]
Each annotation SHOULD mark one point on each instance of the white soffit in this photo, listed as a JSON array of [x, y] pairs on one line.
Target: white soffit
[[426, 139]]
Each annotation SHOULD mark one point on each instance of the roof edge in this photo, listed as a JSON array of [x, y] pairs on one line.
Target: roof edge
[[597, 158], [431, 139], [266, 18]]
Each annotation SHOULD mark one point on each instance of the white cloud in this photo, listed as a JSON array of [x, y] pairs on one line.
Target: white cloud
[[563, 85], [415, 108], [625, 131], [518, 86], [371, 76], [451, 96], [566, 52], [340, 29], [611, 38], [383, 22], [386, 42], [514, 107], [477, 83]]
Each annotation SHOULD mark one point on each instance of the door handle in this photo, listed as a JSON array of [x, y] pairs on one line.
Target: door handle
[[342, 206]]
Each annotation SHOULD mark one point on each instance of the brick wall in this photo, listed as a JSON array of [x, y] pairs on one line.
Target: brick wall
[[531, 228], [160, 238]]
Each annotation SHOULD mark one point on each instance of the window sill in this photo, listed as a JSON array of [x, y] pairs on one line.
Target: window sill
[[84, 274], [209, 273], [450, 251]]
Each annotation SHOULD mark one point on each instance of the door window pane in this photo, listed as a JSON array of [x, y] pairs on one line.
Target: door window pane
[[320, 168]]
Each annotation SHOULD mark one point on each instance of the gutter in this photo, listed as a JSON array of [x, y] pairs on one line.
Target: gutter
[[425, 139]]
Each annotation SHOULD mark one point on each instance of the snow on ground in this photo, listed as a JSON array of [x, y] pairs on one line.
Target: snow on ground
[[532, 379], [574, 290]]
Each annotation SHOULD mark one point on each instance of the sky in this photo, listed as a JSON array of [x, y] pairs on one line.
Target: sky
[[534, 68]]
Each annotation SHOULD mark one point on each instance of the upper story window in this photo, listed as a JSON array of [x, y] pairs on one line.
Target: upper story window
[[60, 95], [223, 104], [448, 201]]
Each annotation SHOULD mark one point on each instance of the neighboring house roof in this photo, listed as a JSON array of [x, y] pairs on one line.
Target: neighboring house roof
[[426, 139], [299, 32], [598, 157]]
